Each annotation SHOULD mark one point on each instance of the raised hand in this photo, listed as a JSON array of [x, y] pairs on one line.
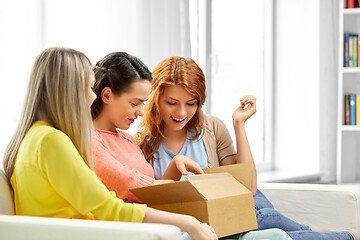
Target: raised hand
[[246, 109]]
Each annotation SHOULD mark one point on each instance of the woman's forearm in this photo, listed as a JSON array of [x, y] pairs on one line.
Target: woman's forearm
[[156, 216], [189, 224], [243, 151]]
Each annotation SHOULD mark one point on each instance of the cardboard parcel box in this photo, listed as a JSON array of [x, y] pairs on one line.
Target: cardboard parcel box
[[217, 199]]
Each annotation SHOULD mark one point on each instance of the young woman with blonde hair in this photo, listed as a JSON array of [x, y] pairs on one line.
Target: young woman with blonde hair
[[173, 123], [49, 160]]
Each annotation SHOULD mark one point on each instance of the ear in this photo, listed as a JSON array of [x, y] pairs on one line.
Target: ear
[[106, 95]]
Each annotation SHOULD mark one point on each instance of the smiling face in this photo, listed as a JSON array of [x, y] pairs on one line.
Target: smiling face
[[177, 107], [121, 110]]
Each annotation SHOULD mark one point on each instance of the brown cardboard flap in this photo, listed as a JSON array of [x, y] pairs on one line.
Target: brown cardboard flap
[[232, 215], [197, 209], [241, 172], [217, 185], [217, 199], [201, 177], [182, 191]]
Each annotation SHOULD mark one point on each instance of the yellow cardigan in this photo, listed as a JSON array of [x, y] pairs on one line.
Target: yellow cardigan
[[51, 179]]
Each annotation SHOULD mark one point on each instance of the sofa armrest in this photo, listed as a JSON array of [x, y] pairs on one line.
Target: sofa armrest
[[321, 207], [40, 228]]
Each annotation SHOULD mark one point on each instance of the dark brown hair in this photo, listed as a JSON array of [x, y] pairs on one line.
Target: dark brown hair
[[117, 70]]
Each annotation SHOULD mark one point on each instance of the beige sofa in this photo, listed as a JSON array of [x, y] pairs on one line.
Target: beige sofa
[[40, 228], [322, 207]]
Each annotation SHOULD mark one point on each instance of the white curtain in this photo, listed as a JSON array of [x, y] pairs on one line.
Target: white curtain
[[149, 29], [163, 30]]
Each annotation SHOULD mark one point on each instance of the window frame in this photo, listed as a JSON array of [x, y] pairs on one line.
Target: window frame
[[202, 53]]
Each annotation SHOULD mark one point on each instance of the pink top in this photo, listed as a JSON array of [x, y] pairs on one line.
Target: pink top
[[120, 163]]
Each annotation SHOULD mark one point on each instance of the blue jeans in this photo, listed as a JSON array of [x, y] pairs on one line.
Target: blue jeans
[[267, 217]]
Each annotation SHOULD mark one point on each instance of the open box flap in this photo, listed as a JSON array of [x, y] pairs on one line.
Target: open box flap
[[217, 185], [179, 191], [241, 172]]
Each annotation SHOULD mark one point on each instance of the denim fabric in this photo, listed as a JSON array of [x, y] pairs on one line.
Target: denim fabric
[[268, 234], [303, 235], [267, 217], [310, 235]]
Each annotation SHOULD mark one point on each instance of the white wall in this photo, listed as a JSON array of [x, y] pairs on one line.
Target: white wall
[[150, 30], [306, 46], [19, 45], [329, 30], [305, 64], [297, 85]]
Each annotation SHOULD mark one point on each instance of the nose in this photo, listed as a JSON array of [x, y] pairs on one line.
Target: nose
[[181, 111], [92, 98], [140, 112]]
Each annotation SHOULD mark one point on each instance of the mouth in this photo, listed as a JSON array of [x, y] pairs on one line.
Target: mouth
[[178, 120], [131, 119]]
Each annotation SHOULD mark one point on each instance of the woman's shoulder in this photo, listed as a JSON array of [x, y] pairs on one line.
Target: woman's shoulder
[[104, 133], [44, 138], [107, 136], [127, 136], [118, 138], [212, 121], [211, 118], [45, 132]]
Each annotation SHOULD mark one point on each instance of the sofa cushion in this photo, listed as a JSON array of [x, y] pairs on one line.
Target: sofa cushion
[[6, 195], [43, 228], [323, 207]]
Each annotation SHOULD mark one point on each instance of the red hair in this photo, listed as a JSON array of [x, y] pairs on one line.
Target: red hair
[[169, 72]]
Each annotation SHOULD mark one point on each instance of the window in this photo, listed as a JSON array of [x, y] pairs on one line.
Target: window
[[232, 43], [229, 40], [19, 45]]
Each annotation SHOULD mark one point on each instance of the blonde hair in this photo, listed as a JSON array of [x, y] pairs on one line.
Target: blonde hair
[[169, 72], [57, 92]]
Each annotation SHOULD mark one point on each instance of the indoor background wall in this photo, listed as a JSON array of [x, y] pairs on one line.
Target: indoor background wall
[[296, 130], [305, 61], [305, 95]]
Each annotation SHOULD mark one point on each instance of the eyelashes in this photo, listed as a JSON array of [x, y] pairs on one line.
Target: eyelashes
[[189, 104], [137, 104]]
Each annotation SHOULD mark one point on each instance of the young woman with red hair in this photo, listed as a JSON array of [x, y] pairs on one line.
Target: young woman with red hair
[[173, 124]]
